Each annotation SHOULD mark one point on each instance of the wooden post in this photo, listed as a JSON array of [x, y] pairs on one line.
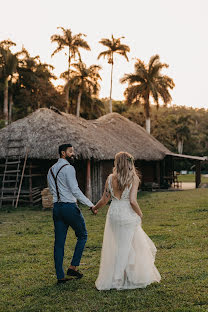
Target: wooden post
[[30, 183], [158, 172], [198, 173], [100, 179], [88, 191]]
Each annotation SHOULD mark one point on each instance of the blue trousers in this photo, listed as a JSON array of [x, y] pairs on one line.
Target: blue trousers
[[65, 215]]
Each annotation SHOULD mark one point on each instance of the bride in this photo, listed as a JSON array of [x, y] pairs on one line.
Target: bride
[[128, 254]]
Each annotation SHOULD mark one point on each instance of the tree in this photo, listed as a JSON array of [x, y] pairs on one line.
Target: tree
[[8, 66], [182, 130], [146, 81], [72, 43], [86, 78], [92, 107], [33, 88], [114, 46]]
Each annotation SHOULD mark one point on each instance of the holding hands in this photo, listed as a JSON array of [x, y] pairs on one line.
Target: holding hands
[[103, 201], [94, 210]]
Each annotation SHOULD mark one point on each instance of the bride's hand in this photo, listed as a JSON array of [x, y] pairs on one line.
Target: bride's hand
[[94, 211]]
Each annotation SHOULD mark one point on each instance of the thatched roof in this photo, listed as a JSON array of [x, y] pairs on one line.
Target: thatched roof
[[121, 134], [44, 130]]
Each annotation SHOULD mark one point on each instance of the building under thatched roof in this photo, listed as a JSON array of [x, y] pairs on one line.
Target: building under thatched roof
[[95, 142], [44, 130]]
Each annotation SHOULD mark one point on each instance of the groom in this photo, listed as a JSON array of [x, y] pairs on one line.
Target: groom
[[63, 185]]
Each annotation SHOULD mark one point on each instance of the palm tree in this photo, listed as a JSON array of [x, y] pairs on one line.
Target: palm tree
[[114, 46], [146, 81], [86, 79], [182, 130], [72, 43]]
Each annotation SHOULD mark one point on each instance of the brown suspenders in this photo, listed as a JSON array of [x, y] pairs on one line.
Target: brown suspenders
[[55, 180]]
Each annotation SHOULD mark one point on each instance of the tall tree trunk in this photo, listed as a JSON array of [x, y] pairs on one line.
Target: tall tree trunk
[[147, 114], [180, 146], [110, 101], [148, 125], [67, 85], [6, 112], [10, 107], [67, 97], [79, 102]]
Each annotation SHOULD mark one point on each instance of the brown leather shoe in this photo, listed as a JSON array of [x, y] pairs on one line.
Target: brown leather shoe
[[74, 273]]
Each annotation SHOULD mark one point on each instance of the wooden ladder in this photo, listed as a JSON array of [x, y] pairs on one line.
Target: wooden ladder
[[11, 182]]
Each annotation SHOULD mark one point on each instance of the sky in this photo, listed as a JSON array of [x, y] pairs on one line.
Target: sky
[[176, 30]]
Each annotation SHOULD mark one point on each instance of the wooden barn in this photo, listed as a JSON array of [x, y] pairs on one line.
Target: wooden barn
[[32, 143]]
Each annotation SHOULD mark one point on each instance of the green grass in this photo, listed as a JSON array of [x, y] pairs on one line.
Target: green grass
[[191, 178], [175, 221]]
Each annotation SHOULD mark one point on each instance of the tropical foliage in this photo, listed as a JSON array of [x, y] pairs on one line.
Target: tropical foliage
[[148, 81], [26, 84], [171, 124], [8, 67], [71, 43], [86, 79]]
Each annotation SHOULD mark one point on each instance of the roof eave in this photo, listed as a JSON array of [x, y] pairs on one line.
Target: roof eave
[[186, 156]]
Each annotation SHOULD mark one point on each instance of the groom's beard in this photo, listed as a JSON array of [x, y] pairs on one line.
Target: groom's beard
[[70, 159]]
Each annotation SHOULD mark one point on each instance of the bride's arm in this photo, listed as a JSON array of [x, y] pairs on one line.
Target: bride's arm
[[133, 197], [104, 199]]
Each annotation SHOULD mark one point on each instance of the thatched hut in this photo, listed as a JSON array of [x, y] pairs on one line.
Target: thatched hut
[[95, 142]]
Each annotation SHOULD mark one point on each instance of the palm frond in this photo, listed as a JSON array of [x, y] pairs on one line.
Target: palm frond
[[134, 93], [124, 47], [106, 42], [81, 43], [166, 81], [154, 59], [131, 79], [114, 46], [104, 54], [123, 53], [60, 40], [154, 92], [155, 70], [141, 70], [60, 48], [164, 95]]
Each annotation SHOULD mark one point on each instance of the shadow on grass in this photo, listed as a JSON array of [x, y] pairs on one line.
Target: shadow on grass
[[10, 209], [199, 210], [65, 296], [50, 294]]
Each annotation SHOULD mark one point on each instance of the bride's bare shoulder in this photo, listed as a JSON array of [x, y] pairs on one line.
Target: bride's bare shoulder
[[136, 179], [110, 175]]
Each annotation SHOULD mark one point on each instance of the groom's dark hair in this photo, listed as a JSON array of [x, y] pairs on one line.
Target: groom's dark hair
[[63, 148]]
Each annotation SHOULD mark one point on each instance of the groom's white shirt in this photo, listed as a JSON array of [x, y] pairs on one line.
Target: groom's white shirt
[[67, 184]]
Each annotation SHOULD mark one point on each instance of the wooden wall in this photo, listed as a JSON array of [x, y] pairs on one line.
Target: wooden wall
[[96, 180]]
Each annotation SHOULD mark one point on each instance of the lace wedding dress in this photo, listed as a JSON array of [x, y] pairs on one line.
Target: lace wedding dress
[[128, 254]]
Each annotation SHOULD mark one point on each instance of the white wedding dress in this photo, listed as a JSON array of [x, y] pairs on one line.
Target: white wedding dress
[[128, 254]]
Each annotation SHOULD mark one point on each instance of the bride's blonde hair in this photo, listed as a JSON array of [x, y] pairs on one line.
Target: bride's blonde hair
[[124, 169]]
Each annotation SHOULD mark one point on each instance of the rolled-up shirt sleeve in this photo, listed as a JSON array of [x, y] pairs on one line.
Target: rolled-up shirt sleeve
[[49, 183], [73, 185]]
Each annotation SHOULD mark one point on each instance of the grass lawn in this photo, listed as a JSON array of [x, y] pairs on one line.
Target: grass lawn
[[191, 178], [175, 221]]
